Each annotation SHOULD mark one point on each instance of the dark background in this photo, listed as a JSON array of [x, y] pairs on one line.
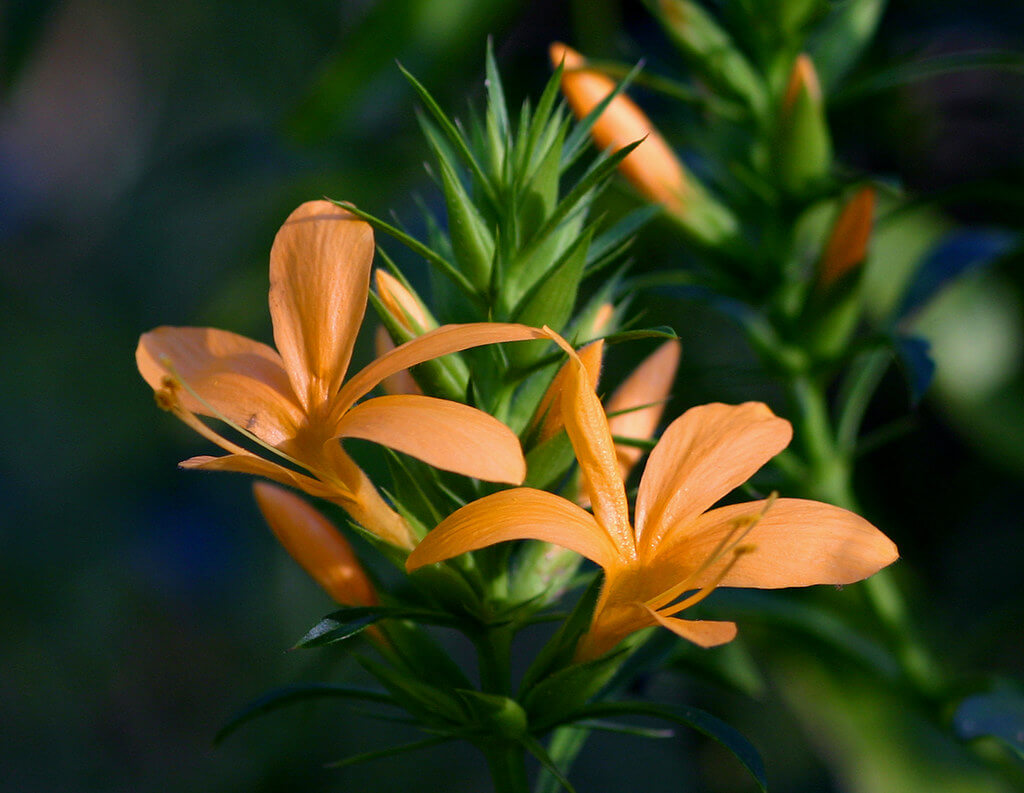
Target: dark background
[[148, 153]]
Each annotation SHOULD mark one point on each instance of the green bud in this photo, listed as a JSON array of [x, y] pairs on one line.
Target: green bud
[[711, 52], [803, 146]]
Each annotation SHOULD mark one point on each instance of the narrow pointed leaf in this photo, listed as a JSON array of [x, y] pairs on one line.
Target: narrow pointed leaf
[[697, 719], [534, 747], [347, 622], [365, 757], [299, 692]]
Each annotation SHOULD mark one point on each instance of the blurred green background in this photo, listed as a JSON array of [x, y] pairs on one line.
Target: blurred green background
[[148, 153]]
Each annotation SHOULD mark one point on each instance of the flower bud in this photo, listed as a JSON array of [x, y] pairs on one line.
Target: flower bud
[[404, 307], [548, 417], [315, 544], [847, 244], [652, 167], [803, 150]]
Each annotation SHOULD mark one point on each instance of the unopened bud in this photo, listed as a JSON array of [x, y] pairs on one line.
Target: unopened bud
[[316, 544], [652, 167], [847, 244], [803, 151], [404, 307]]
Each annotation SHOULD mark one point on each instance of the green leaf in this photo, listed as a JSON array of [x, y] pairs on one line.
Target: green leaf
[[472, 243], [551, 299], [568, 689], [710, 52], [298, 692], [430, 704], [364, 757], [935, 66], [697, 719], [558, 652], [620, 232], [534, 747], [842, 37], [549, 462], [452, 133], [348, 622], [421, 654], [434, 258], [494, 714]]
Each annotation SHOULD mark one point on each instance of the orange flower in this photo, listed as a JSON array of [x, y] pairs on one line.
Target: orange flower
[[652, 167], [315, 544], [680, 548], [291, 401]]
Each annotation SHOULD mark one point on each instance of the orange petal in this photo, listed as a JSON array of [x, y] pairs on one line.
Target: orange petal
[[519, 514], [706, 633], [240, 378], [702, 456], [796, 543], [587, 427], [652, 167], [440, 432], [549, 411], [649, 384], [316, 544], [319, 281], [257, 466], [446, 339]]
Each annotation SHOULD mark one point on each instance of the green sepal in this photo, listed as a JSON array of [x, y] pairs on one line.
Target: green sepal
[[558, 652], [710, 51], [433, 706], [471, 241], [542, 574], [803, 145], [353, 620], [551, 299], [493, 714], [538, 195], [421, 654], [549, 462], [569, 689], [697, 719], [444, 377], [832, 317], [298, 692]]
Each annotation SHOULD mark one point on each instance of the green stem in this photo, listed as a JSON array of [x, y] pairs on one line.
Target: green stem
[[507, 763], [493, 647], [830, 475]]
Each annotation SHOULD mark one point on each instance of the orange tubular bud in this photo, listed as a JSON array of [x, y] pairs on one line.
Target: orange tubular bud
[[315, 544], [401, 383], [847, 245], [549, 411], [402, 304], [652, 167]]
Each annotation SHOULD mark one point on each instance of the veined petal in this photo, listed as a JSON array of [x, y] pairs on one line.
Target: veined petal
[[442, 341], [587, 427], [706, 633], [649, 384], [795, 543], [316, 544], [240, 378], [702, 456], [519, 514], [319, 281], [440, 432], [549, 411]]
